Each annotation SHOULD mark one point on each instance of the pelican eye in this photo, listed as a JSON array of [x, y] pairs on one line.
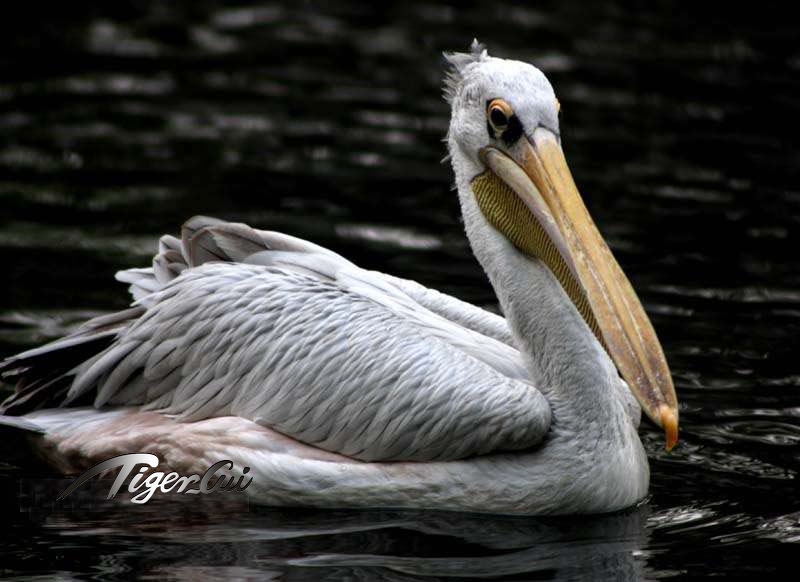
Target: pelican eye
[[501, 123], [498, 118], [499, 113]]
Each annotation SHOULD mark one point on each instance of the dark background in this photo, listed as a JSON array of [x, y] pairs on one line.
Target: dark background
[[120, 120]]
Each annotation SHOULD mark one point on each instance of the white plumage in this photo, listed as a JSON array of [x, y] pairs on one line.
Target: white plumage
[[289, 339]]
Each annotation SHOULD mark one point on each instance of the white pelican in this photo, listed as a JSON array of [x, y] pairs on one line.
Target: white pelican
[[344, 387]]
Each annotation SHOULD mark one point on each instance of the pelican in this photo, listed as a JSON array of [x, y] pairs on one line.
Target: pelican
[[344, 387]]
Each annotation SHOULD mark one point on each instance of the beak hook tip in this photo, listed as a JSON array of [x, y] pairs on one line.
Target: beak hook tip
[[669, 421]]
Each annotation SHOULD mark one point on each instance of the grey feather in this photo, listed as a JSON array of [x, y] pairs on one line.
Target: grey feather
[[92, 371], [169, 243], [283, 332], [238, 241], [458, 63]]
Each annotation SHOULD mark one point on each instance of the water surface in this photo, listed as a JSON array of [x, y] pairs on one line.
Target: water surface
[[326, 121]]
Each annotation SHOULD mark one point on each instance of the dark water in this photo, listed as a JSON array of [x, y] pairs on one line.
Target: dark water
[[325, 121]]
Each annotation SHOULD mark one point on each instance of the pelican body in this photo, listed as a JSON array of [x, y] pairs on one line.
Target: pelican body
[[343, 387]]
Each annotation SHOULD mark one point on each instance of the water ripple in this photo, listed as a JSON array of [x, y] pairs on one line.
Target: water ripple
[[323, 123]]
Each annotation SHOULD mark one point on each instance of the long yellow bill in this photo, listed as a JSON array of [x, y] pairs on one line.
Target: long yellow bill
[[538, 207]]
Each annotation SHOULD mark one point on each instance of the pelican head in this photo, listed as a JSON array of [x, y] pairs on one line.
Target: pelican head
[[505, 144]]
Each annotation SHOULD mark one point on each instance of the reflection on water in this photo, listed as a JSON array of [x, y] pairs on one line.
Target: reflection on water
[[222, 535], [120, 122]]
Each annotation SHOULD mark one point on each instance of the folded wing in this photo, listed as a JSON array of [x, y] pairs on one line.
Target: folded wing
[[235, 321]]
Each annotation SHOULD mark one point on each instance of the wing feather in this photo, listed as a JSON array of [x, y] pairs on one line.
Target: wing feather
[[237, 321]]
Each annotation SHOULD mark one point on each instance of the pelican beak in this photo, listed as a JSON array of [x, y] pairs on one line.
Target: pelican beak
[[579, 257]]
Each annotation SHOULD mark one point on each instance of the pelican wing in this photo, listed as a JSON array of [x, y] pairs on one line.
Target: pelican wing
[[288, 334], [460, 312], [170, 262]]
